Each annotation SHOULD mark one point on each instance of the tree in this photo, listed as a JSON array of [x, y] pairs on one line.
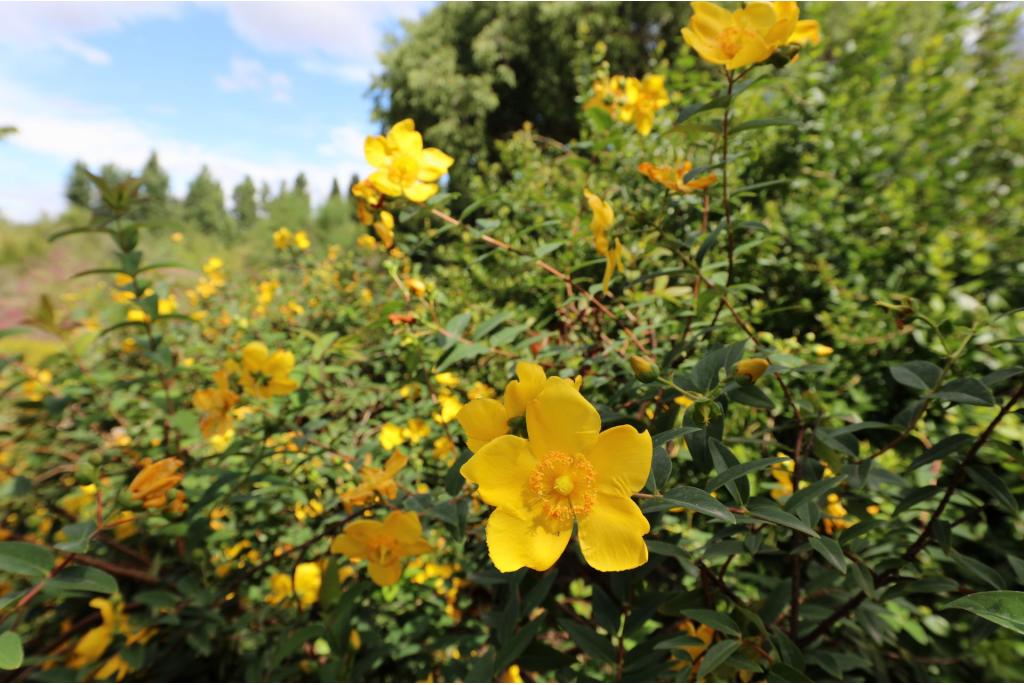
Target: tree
[[244, 196], [204, 204], [335, 190], [301, 201], [156, 189], [79, 189], [504, 64]]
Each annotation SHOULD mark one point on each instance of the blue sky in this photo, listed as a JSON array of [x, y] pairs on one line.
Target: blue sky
[[266, 89]]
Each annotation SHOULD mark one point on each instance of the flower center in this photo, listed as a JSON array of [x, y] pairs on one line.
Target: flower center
[[404, 170], [729, 41], [563, 487]]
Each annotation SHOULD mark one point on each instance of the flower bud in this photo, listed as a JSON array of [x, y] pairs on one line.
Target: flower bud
[[751, 369], [644, 368]]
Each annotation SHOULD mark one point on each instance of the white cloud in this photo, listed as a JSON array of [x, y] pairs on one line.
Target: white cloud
[[60, 25], [251, 75], [64, 132], [347, 34]]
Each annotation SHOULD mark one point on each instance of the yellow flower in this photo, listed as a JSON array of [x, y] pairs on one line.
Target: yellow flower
[[675, 178], [643, 99], [167, 306], [137, 315], [216, 404], [385, 228], [280, 588], [409, 391], [264, 374], [511, 675], [613, 263], [91, 646], [804, 30], [383, 544], [480, 390], [375, 481], [415, 431], [822, 350], [566, 473], [151, 484], [602, 220], [177, 237], [302, 240], [391, 436], [444, 448], [447, 379], [736, 39], [450, 408], [307, 583], [404, 166], [367, 197], [684, 402], [366, 241], [282, 238], [752, 369], [222, 441], [416, 286]]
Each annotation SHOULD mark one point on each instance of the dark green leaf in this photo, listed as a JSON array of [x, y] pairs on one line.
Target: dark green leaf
[[773, 514], [1004, 608], [716, 655], [25, 559]]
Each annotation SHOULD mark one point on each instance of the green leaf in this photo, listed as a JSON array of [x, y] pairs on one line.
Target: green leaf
[[762, 123], [11, 651], [723, 460], [784, 673], [966, 391], [592, 644], [946, 446], [24, 559], [716, 656], [773, 514], [813, 491], [978, 570], [690, 498], [1004, 608], [716, 619], [78, 536], [462, 352], [323, 344], [750, 395], [83, 579], [831, 551], [454, 328], [679, 641], [988, 481], [669, 435], [917, 374], [517, 644], [734, 472]]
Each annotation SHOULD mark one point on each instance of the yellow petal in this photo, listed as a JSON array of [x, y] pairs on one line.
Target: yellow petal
[[483, 420], [752, 50], [434, 164], [519, 393], [280, 363], [254, 355], [806, 31], [421, 192], [349, 546], [386, 574], [622, 460], [611, 535], [404, 137], [501, 469], [376, 151], [710, 12], [708, 51], [383, 183], [560, 420], [515, 542], [403, 526]]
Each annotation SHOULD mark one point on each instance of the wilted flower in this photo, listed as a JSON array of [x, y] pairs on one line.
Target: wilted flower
[[383, 544]]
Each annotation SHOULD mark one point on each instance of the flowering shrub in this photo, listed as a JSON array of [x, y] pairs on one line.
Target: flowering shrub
[[563, 433]]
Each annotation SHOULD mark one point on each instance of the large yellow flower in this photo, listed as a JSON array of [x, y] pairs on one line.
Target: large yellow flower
[[383, 544], [151, 484], [602, 219], [217, 405], [737, 39], [264, 374], [566, 472], [404, 166], [643, 99]]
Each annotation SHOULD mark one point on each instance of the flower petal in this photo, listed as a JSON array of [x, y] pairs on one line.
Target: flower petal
[[515, 542], [520, 392], [434, 164], [403, 526], [376, 151], [622, 459], [386, 574], [501, 469], [612, 534], [420, 192], [254, 355], [483, 420], [560, 420]]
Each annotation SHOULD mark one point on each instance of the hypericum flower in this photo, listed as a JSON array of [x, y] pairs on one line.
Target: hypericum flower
[[751, 369], [485, 419], [391, 436], [444, 449], [385, 228], [749, 35], [480, 390], [368, 199], [822, 350], [644, 98], [602, 220], [217, 405], [151, 484], [177, 237], [383, 544], [415, 431], [404, 166], [91, 646], [567, 472], [450, 408], [706, 634], [302, 240], [447, 379], [280, 588], [804, 30], [612, 264], [264, 374], [282, 238], [375, 481], [674, 178], [307, 581], [416, 286]]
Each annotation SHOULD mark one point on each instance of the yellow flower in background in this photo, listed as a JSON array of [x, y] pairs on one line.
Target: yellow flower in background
[[383, 544], [444, 448], [282, 238], [307, 581], [674, 178], [168, 305], [447, 379], [151, 484], [751, 369], [391, 436], [450, 408], [375, 481], [177, 237], [138, 316], [480, 390], [602, 220], [566, 473], [608, 93], [415, 431], [613, 263], [783, 475], [366, 241], [736, 39], [91, 646], [404, 166], [643, 98], [368, 198], [385, 228], [309, 510], [511, 674], [280, 588], [684, 402], [264, 374], [302, 241], [35, 387], [416, 286], [822, 350], [409, 391], [216, 404]]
